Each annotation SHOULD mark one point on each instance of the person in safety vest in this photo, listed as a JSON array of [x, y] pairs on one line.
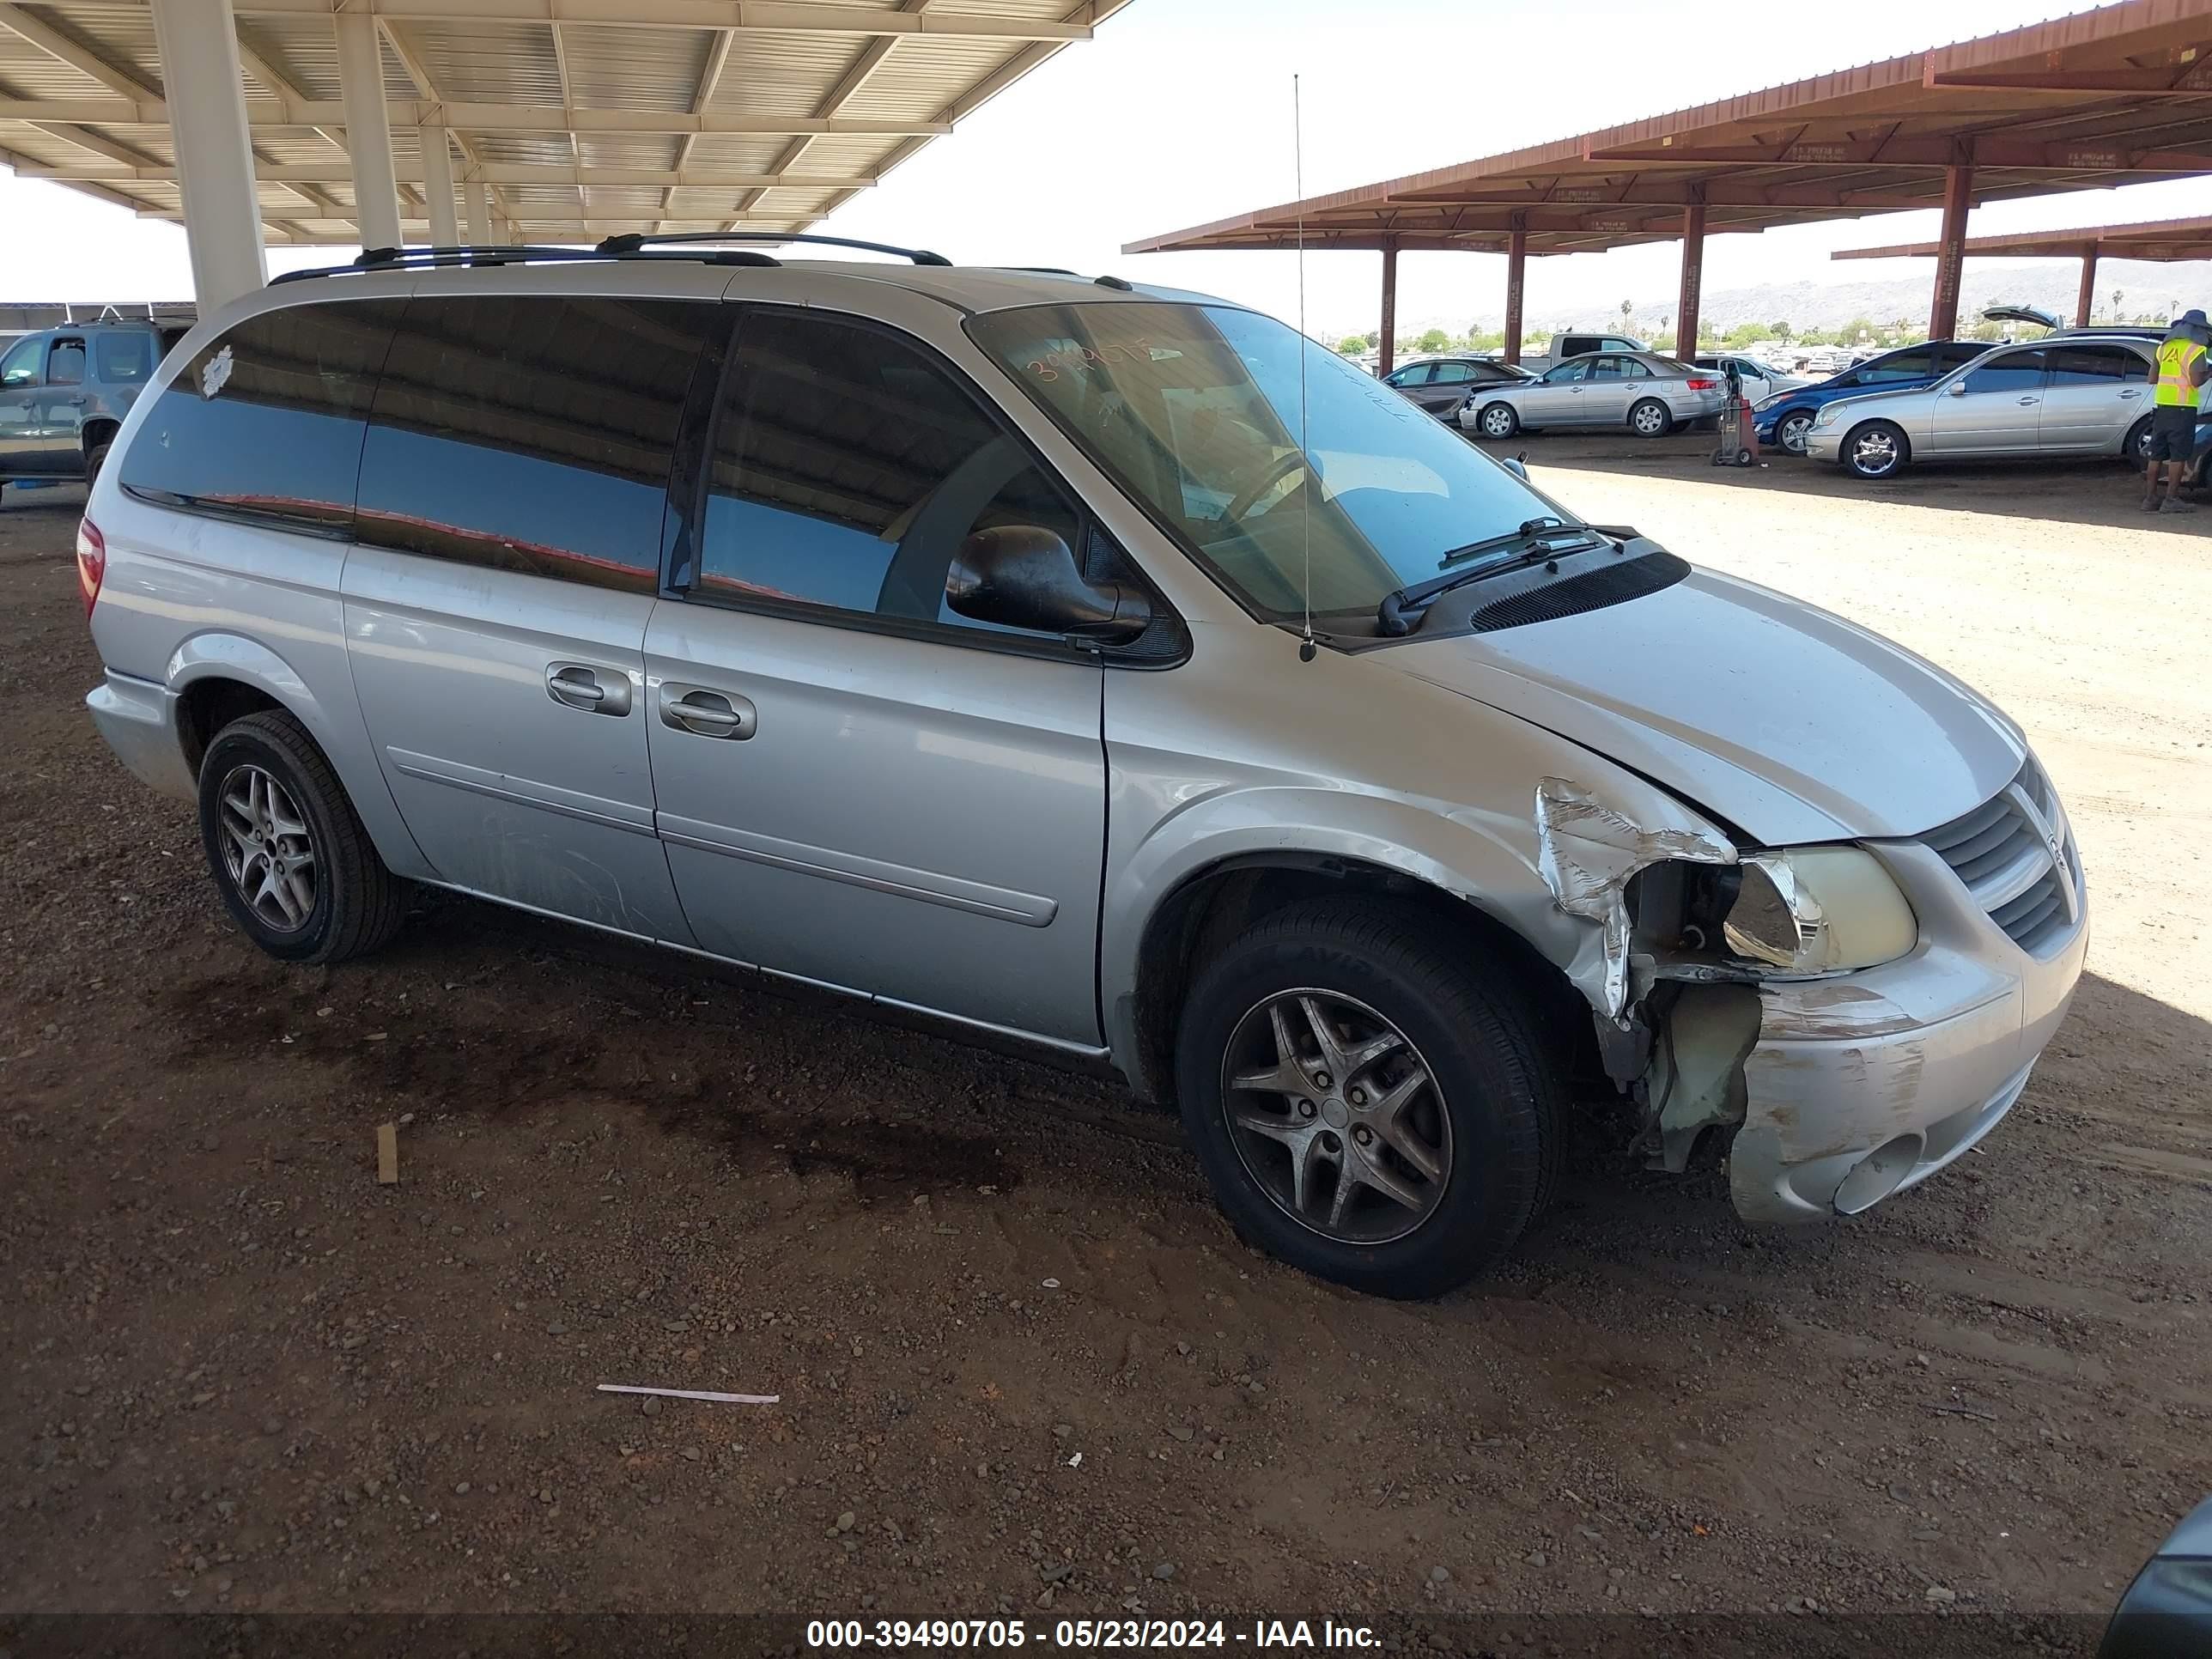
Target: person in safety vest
[[2183, 365]]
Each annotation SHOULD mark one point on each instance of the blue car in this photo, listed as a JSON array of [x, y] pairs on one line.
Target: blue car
[[1782, 420]]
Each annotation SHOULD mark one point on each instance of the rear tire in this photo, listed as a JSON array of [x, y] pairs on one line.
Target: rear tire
[[1497, 421], [1458, 1122], [1651, 419], [93, 463], [1875, 451], [289, 856], [2135, 448]]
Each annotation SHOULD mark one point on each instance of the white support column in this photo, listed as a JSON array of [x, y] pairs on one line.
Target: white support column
[[198, 45], [368, 130], [477, 199], [438, 186]]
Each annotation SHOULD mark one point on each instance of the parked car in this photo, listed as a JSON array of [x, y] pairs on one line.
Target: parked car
[[2166, 1611], [1782, 420], [1648, 393], [988, 645], [64, 392], [2081, 395], [1442, 385], [1759, 380]]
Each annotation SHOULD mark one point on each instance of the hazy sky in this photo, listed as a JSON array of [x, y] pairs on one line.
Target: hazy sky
[[1179, 112]]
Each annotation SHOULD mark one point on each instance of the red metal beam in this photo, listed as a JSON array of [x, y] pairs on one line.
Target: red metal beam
[[2014, 155], [1386, 349], [1951, 252], [1517, 272], [1693, 272], [2083, 300]]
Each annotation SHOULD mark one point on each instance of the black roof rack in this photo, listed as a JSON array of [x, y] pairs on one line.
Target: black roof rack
[[509, 253], [633, 241]]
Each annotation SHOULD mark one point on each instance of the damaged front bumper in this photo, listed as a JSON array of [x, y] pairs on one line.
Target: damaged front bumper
[[1861, 1085]]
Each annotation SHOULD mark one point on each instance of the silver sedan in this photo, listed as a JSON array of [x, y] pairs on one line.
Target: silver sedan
[[1644, 390]]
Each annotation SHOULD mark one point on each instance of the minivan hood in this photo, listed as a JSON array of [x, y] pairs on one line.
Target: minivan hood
[[1788, 721]]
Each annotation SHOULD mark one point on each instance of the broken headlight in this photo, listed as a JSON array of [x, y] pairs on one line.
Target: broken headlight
[[1818, 910]]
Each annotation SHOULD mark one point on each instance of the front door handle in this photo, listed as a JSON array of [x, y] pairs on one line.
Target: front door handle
[[594, 690], [706, 712]]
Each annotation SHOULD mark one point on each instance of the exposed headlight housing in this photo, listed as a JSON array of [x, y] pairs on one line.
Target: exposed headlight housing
[[1826, 416], [1766, 403], [1813, 910]]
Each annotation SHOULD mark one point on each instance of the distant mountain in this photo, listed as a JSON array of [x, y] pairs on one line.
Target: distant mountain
[[2151, 290]]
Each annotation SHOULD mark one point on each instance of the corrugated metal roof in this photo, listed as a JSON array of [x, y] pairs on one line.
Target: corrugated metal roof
[[641, 111]]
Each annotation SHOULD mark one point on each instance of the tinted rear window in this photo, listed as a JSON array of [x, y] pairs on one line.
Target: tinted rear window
[[122, 359], [531, 432], [265, 422]]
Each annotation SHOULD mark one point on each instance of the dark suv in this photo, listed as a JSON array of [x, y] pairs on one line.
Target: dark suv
[[64, 392]]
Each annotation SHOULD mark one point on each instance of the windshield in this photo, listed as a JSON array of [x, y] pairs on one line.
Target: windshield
[[1192, 410]]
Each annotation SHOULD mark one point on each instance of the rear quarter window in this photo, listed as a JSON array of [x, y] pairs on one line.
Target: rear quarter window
[[265, 422], [122, 359]]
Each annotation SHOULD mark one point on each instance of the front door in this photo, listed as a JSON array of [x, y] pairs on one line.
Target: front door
[[513, 488], [1994, 409], [855, 786], [1556, 400], [23, 431], [2096, 393]]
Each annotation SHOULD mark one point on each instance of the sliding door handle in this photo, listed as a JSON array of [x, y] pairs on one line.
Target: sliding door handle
[[706, 712]]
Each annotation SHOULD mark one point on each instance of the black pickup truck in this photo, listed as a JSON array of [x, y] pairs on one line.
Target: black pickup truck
[[64, 391]]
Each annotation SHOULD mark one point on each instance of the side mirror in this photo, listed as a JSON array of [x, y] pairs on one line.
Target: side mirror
[[1023, 575], [1958, 388], [1518, 465]]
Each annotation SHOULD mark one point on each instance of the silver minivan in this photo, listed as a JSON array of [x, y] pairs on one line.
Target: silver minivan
[[1103, 669]]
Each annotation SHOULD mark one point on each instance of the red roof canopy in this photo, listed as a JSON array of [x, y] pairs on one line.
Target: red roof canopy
[[2113, 96]]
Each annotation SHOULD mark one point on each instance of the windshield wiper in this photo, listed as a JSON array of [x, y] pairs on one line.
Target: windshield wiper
[[1400, 612]]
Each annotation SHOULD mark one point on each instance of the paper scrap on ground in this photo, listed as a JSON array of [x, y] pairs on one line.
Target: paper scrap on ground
[[695, 1394]]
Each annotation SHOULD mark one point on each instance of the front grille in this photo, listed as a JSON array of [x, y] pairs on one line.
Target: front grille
[[2003, 851]]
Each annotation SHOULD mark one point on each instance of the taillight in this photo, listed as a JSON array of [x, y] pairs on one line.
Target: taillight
[[91, 560], [1705, 386]]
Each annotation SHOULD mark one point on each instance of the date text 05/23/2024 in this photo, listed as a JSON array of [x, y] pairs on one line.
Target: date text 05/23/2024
[[894, 1635]]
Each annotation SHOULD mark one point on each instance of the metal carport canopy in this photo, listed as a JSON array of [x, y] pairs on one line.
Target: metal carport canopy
[[2164, 240], [2114, 96], [356, 121]]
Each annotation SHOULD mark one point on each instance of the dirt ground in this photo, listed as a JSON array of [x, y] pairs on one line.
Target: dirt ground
[[1023, 1364]]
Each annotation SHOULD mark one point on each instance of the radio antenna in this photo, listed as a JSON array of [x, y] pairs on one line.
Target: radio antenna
[[1306, 647]]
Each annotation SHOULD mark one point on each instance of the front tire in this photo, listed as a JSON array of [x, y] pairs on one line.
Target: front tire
[[1790, 431], [1497, 421], [1650, 419], [289, 856], [1875, 451], [1370, 1104]]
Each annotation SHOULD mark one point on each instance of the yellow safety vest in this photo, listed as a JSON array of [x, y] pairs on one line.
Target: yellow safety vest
[[2176, 359]]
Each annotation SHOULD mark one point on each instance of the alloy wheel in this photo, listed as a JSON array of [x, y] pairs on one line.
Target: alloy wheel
[[1874, 452], [1650, 419], [1791, 433], [267, 849], [1497, 422], [1336, 1116]]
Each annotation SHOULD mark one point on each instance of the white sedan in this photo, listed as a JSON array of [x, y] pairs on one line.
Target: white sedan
[[1644, 390]]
